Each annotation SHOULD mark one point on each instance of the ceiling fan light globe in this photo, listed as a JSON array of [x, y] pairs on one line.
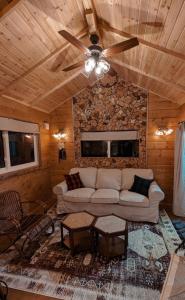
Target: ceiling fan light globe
[[98, 70], [104, 65], [90, 64]]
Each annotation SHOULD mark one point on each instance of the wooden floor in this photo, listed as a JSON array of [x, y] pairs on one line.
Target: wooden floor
[[20, 295]]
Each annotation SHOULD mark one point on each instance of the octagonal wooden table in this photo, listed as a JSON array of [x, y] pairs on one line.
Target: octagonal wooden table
[[111, 236], [79, 227]]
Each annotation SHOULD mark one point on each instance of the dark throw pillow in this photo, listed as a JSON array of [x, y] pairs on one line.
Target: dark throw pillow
[[73, 181], [141, 185]]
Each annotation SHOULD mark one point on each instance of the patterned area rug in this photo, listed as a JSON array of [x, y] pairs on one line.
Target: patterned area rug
[[52, 271]]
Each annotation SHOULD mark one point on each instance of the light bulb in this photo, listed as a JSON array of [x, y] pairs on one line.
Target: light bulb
[[168, 131], [90, 64], [163, 131], [59, 135], [106, 67], [102, 67], [98, 70], [158, 132]]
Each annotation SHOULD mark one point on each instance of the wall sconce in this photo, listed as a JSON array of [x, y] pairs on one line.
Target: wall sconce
[[163, 131], [60, 136]]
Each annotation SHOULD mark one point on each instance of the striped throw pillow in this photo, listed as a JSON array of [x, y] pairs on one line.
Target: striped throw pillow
[[73, 181]]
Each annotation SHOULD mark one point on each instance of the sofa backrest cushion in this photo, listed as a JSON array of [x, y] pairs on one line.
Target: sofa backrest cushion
[[129, 173], [87, 175], [109, 179]]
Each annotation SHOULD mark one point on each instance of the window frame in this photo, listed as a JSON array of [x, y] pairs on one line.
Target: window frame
[[109, 137], [8, 168], [108, 150], [123, 156]]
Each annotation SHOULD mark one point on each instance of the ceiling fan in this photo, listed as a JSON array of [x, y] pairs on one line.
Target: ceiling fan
[[95, 56]]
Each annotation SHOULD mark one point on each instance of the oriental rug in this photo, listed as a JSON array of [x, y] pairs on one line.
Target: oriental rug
[[53, 272]]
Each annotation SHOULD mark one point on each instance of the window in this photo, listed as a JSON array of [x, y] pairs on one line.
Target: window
[[21, 148], [125, 148], [110, 144], [18, 150], [93, 148]]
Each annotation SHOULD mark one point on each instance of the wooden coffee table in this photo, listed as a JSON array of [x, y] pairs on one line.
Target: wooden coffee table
[[108, 231], [79, 227]]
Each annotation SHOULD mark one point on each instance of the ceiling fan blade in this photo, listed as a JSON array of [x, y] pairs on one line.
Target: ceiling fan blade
[[74, 66], [154, 24], [74, 41], [123, 46]]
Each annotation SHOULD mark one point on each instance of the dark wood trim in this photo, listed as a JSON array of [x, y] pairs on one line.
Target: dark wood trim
[[106, 26], [8, 7]]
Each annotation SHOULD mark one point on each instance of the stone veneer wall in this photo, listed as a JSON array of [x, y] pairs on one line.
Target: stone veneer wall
[[111, 104]]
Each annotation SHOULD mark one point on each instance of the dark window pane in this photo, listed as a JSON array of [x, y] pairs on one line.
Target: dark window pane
[[125, 148], [2, 162], [93, 149], [21, 148]]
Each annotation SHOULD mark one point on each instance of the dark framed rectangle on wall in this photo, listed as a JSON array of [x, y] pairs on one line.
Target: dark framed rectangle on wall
[[110, 144]]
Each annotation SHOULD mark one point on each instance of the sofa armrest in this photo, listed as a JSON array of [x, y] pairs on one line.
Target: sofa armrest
[[60, 188], [155, 193]]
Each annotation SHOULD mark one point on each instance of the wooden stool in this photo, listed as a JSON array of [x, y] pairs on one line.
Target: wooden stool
[[111, 228], [79, 227]]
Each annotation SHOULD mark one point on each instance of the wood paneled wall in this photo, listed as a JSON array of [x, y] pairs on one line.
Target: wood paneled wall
[[34, 183], [160, 150], [181, 114], [37, 183], [62, 118]]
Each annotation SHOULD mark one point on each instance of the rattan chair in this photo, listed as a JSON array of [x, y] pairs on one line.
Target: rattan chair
[[17, 222], [3, 290]]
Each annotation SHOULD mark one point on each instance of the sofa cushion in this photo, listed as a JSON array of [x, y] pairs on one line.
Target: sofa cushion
[[79, 195], [105, 196], [133, 199], [141, 185], [129, 173], [109, 179], [87, 175]]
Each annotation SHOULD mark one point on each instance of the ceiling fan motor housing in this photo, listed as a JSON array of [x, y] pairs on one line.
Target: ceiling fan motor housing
[[95, 51], [94, 38]]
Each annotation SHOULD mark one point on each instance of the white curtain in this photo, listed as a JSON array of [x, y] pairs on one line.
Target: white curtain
[[179, 173]]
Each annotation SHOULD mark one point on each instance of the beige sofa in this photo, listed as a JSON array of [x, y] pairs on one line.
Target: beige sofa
[[105, 191]]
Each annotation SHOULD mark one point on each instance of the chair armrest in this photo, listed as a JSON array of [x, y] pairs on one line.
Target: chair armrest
[[155, 193], [60, 188], [9, 225]]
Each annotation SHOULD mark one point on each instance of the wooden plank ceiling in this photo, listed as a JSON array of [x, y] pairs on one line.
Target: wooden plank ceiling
[[30, 47]]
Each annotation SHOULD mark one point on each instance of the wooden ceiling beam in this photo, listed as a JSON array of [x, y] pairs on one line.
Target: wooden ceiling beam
[[91, 20], [150, 77], [8, 7], [43, 61], [23, 103], [58, 86], [74, 95], [105, 25]]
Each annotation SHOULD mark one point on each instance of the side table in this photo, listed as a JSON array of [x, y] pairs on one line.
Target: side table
[[108, 232], [79, 227]]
